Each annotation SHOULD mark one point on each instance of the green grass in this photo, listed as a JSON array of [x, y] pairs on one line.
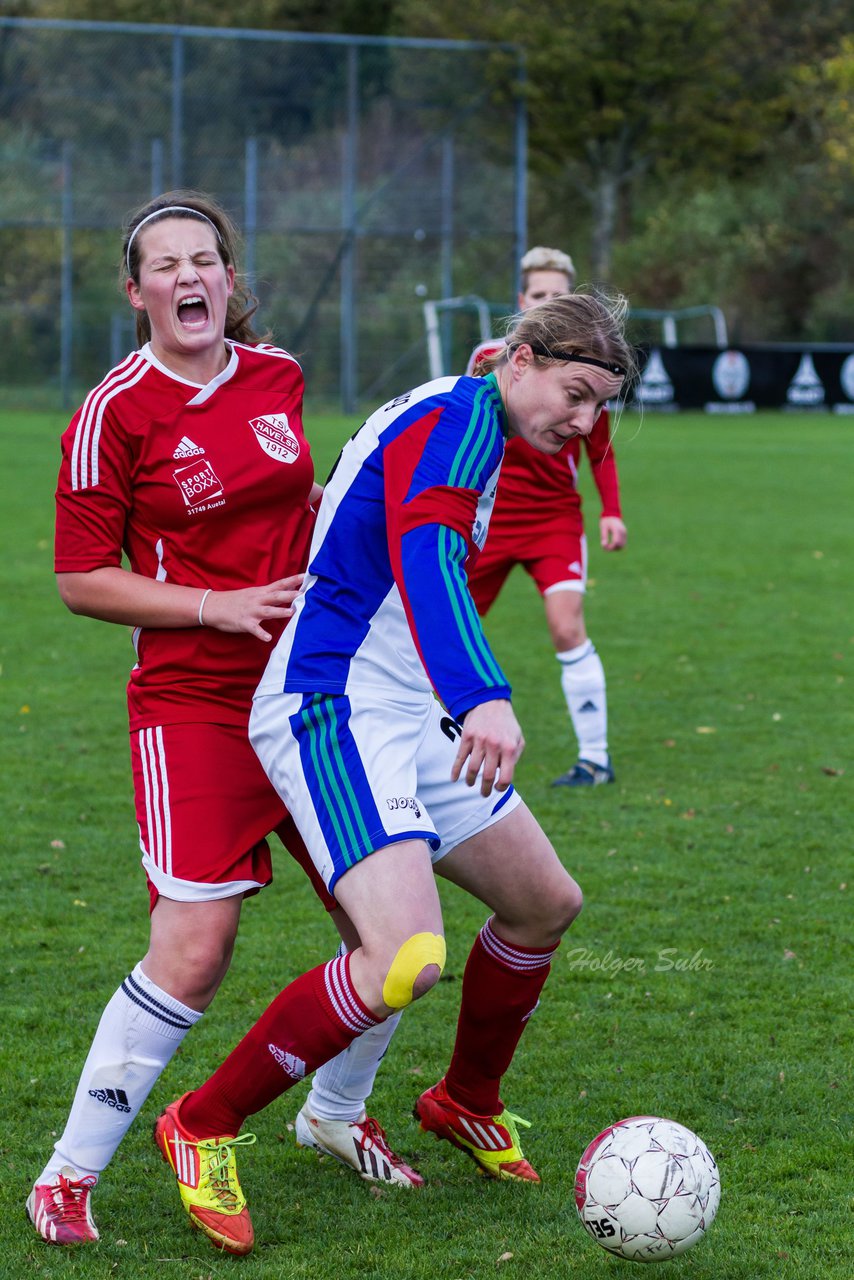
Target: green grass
[[709, 977]]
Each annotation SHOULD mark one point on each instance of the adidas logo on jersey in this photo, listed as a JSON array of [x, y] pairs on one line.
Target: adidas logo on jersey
[[289, 1062], [116, 1098], [589, 705], [186, 449]]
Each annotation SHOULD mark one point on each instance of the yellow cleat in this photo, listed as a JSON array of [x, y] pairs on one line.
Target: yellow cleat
[[206, 1170]]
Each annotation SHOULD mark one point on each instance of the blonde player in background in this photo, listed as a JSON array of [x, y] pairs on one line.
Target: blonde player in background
[[537, 522]]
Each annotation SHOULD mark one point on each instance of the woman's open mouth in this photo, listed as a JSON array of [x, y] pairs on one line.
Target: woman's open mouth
[[193, 312]]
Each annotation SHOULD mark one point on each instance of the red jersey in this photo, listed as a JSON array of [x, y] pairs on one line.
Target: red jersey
[[201, 486], [535, 485]]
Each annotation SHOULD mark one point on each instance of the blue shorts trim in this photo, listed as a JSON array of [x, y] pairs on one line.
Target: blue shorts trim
[[341, 795]]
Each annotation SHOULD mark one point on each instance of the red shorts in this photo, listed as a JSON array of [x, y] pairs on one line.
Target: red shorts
[[555, 555], [204, 807]]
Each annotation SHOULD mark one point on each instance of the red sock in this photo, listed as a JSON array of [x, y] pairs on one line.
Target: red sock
[[308, 1023], [501, 986]]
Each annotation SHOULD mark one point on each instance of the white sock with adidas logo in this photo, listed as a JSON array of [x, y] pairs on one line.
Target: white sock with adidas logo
[[139, 1031], [582, 679]]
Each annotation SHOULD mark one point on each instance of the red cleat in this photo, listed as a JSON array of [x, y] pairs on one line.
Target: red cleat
[[60, 1210], [492, 1141]]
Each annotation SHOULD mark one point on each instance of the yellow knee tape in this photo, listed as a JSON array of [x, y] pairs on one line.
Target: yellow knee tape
[[414, 956]]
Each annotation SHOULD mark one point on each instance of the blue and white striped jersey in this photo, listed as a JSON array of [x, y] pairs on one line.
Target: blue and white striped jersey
[[385, 605]]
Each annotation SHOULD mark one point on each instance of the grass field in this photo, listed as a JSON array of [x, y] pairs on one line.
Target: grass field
[[708, 979]]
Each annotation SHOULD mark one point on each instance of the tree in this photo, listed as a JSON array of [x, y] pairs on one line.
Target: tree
[[352, 17], [626, 89]]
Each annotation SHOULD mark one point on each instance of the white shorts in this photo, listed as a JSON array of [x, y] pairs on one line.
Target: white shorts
[[358, 773]]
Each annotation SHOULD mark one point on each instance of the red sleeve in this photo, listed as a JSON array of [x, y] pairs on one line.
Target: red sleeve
[[603, 464], [444, 504], [439, 504], [91, 518]]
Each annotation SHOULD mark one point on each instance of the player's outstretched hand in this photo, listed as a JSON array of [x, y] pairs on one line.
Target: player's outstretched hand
[[612, 533], [492, 741], [248, 608]]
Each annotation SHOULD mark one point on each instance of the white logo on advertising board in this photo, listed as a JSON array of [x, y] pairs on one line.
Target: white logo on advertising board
[[273, 433], [655, 386], [806, 388], [846, 377], [731, 375]]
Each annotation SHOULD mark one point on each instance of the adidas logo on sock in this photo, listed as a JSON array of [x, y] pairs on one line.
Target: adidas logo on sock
[[289, 1062], [589, 705], [186, 449], [115, 1098]]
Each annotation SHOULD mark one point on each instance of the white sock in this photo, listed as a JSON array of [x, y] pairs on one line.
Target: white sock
[[341, 1087], [582, 678], [139, 1031]]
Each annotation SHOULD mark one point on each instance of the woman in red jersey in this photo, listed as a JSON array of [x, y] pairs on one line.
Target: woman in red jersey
[[537, 522], [189, 460]]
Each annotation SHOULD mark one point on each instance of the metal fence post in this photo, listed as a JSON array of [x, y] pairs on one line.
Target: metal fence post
[[157, 186], [66, 305], [446, 253], [177, 110], [521, 168], [250, 201], [349, 221]]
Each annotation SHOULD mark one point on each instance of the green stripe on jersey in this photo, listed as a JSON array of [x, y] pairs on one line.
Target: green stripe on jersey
[[476, 434], [465, 615]]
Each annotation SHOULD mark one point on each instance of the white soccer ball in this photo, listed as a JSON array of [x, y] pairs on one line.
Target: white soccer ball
[[647, 1189]]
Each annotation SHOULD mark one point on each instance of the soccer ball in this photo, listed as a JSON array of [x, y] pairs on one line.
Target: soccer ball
[[647, 1189]]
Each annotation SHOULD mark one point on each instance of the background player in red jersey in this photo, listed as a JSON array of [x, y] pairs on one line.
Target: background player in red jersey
[[537, 522], [190, 459]]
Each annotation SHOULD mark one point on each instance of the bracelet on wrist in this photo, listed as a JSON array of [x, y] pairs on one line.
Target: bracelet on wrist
[[202, 606]]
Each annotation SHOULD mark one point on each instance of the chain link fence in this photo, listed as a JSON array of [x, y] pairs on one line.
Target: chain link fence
[[367, 175]]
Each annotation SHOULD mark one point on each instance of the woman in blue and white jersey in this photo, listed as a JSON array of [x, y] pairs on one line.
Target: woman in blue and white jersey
[[385, 723]]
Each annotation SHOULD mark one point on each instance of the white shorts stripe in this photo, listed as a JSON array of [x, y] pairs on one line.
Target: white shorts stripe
[[145, 836], [165, 808], [156, 780], [152, 800]]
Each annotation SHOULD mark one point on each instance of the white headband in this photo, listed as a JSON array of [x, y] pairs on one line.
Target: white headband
[[169, 208]]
